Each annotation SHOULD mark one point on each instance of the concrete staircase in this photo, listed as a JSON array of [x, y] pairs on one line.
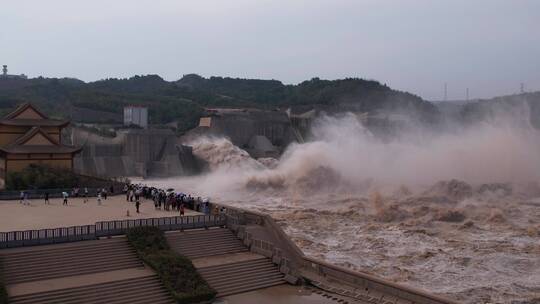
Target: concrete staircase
[[108, 271], [131, 291], [203, 243], [224, 261], [63, 260], [92, 272], [233, 278]]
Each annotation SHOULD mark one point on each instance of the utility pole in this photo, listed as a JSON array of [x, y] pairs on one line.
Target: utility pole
[[467, 94]]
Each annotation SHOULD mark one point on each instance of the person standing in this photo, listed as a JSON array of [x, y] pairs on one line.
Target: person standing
[[85, 195], [99, 198], [65, 196], [137, 203], [21, 196], [104, 191], [25, 198], [137, 194], [182, 209], [161, 199], [46, 198]]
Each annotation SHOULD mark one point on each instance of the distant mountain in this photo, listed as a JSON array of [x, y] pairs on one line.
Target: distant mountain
[[184, 100]]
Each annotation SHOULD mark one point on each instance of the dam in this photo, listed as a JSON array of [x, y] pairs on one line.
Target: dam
[[159, 152], [133, 152], [393, 224]]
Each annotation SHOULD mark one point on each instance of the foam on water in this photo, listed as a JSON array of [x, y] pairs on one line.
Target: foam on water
[[453, 213]]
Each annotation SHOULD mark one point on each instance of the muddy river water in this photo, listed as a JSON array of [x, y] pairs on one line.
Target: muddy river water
[[454, 213], [484, 248]]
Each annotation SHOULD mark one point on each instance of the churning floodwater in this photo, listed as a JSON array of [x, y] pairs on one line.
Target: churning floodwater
[[457, 213]]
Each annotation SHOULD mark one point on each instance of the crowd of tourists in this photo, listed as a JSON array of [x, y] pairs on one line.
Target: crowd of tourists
[[163, 199], [167, 199]]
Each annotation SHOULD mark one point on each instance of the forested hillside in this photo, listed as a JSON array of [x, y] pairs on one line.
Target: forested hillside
[[184, 100]]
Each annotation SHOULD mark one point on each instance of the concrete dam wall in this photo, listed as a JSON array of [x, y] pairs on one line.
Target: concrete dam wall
[[133, 152], [158, 152], [261, 133]]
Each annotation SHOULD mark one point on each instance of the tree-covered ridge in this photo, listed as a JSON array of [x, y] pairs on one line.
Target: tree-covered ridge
[[183, 100]]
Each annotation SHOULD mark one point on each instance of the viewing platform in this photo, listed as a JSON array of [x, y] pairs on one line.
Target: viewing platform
[[38, 215], [244, 256]]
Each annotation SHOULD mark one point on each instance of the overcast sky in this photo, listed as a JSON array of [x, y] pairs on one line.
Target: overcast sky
[[490, 46]]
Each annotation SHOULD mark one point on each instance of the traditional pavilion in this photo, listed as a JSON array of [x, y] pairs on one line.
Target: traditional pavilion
[[27, 136]]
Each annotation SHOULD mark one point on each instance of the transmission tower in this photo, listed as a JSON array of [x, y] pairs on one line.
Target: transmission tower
[[445, 91]]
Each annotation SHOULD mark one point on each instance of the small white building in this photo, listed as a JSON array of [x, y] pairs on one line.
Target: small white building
[[136, 115]]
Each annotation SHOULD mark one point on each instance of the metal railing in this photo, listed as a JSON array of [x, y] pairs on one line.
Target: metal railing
[[104, 229]]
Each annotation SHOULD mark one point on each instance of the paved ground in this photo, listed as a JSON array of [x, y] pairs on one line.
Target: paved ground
[[15, 216], [285, 294]]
